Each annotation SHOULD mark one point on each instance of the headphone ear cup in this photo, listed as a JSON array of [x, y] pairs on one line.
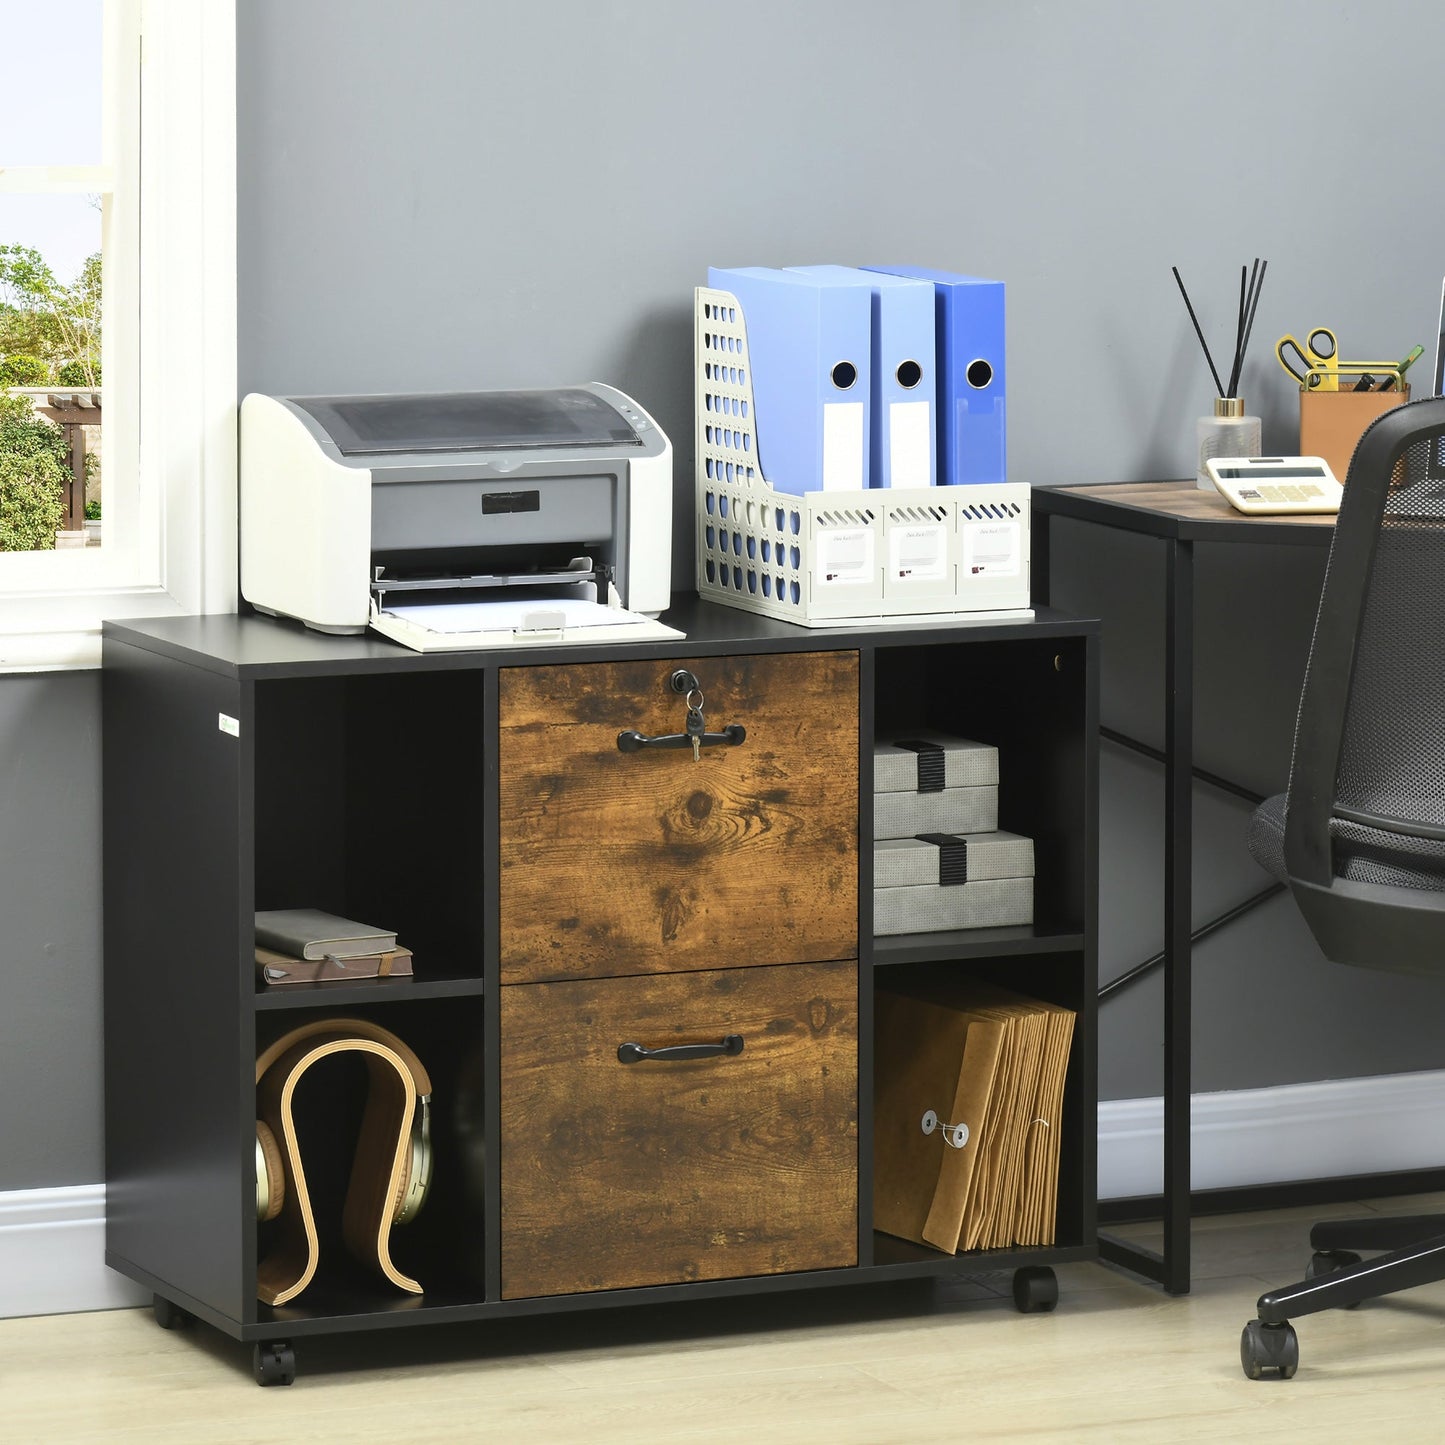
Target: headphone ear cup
[[416, 1176], [270, 1174]]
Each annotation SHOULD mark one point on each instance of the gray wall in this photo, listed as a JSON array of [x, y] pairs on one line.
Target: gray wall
[[470, 195]]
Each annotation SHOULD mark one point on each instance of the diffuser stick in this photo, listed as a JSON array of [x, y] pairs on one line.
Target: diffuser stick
[[1246, 295], [1218, 385]]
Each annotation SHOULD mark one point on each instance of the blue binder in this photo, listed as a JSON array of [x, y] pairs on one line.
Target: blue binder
[[972, 380], [808, 347], [903, 433]]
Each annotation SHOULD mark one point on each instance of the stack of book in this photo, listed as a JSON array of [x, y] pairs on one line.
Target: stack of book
[[939, 859], [305, 945], [967, 1114]]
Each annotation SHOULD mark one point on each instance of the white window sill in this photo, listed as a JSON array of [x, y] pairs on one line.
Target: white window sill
[[62, 634]]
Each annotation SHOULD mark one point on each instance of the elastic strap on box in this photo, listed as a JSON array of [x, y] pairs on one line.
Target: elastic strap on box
[[930, 763], [952, 857]]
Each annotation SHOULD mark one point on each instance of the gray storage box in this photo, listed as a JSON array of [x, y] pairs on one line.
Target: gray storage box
[[989, 903], [954, 810], [980, 880], [911, 862], [925, 761]]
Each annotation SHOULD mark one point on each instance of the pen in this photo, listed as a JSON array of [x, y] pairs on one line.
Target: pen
[[1410, 360], [1365, 383]]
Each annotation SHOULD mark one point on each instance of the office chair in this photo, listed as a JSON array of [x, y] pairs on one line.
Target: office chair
[[1360, 835]]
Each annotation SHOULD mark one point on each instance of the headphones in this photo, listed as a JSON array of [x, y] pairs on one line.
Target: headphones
[[392, 1168]]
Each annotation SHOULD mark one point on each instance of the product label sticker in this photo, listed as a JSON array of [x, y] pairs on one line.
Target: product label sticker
[[910, 444], [918, 554], [843, 556], [229, 724], [992, 549], [844, 465]]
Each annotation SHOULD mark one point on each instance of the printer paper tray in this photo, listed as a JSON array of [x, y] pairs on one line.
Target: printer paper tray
[[467, 626]]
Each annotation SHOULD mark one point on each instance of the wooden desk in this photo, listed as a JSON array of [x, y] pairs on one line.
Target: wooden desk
[[1179, 514]]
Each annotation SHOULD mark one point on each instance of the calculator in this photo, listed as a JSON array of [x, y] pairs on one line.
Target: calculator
[[1273, 486]]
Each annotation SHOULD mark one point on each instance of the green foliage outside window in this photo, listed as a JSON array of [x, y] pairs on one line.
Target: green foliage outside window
[[43, 318], [74, 373], [24, 371], [33, 473]]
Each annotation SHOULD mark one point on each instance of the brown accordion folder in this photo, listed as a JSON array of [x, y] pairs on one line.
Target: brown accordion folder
[[968, 1103]]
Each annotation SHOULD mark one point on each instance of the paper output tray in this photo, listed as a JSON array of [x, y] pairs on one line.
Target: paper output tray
[[509, 623]]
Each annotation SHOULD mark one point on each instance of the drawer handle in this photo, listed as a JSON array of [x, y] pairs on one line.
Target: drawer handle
[[634, 742], [637, 1053], [694, 734]]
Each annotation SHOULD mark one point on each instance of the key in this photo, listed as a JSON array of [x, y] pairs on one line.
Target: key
[[695, 729]]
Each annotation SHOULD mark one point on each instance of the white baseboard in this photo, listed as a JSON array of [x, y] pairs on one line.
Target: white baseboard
[[52, 1254], [52, 1241], [1273, 1136]]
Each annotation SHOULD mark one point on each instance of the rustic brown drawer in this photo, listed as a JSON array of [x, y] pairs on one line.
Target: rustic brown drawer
[[644, 862], [615, 1175]]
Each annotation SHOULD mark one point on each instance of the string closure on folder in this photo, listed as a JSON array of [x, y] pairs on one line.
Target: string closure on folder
[[954, 1135]]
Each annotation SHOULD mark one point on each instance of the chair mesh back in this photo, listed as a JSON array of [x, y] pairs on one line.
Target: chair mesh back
[[1392, 758]]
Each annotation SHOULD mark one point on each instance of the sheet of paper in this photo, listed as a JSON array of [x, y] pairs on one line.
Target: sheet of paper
[[510, 614]]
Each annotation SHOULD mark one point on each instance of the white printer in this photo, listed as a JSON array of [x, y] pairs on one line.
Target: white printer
[[458, 520]]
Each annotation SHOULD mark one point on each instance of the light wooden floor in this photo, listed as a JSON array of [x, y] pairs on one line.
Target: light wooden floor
[[1118, 1361]]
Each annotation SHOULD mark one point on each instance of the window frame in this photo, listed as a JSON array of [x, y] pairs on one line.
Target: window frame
[[169, 345]]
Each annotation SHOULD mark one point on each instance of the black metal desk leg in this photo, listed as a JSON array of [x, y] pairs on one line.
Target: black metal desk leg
[[1178, 897]]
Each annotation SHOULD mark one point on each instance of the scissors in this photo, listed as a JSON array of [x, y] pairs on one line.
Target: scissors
[[1316, 354]]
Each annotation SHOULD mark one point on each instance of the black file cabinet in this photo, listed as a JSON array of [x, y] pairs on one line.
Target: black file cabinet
[[250, 764]]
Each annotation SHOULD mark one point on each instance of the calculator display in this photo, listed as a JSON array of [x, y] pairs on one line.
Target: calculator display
[[1249, 474]]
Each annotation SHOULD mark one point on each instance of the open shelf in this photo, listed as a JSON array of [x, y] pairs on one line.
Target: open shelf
[[968, 943], [365, 990], [368, 796], [329, 1308], [890, 1252]]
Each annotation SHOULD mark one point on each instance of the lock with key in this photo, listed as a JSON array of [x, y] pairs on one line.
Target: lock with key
[[694, 734]]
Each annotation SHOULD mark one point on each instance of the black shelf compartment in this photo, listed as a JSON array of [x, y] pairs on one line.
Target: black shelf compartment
[[1061, 978], [443, 1247], [368, 804], [1028, 697]]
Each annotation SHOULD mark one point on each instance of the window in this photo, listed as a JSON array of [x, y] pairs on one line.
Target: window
[[156, 170]]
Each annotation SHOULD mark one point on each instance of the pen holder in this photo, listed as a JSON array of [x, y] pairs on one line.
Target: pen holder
[[1331, 423]]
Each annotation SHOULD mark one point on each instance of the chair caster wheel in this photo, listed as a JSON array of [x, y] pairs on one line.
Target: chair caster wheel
[[1327, 1261], [1268, 1347], [274, 1363], [1036, 1289], [169, 1316]]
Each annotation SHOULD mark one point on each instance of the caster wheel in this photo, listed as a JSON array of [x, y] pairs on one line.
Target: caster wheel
[[169, 1316], [275, 1363], [1036, 1289], [1327, 1261], [1269, 1347]]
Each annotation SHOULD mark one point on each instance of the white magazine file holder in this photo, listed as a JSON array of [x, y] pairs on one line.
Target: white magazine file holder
[[821, 558]]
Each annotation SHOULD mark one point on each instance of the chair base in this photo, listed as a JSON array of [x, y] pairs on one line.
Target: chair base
[[1414, 1248], [1414, 1254]]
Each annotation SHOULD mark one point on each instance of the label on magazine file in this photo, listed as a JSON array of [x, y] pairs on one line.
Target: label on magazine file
[[918, 554], [992, 549], [843, 556]]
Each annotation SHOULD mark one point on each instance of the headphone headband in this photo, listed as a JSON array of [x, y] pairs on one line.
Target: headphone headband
[[353, 1028]]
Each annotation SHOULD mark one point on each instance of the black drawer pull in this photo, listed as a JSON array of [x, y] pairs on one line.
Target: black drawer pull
[[633, 742], [637, 1053]]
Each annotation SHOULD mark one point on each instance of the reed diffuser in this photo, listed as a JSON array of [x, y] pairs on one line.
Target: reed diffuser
[[1229, 432]]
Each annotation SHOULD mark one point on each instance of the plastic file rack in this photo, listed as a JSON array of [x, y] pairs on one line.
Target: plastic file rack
[[821, 558]]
